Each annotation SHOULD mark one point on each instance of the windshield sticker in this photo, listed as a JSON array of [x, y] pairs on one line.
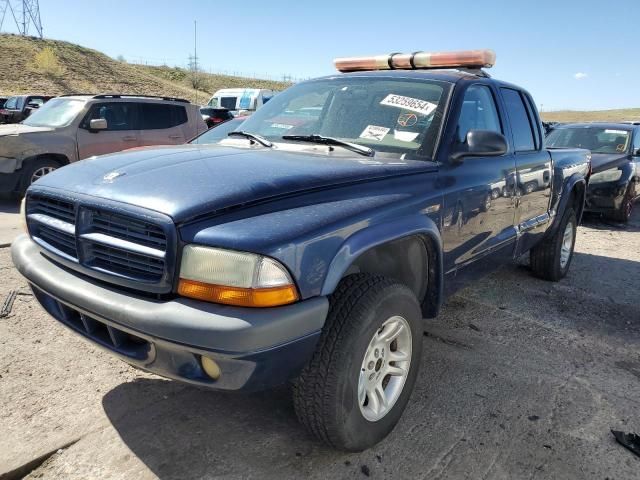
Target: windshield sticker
[[407, 119], [617, 132], [374, 132], [405, 136], [283, 126], [408, 103]]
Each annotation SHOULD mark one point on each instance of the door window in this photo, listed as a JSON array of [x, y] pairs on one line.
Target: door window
[[119, 116], [478, 112], [636, 141], [157, 116], [520, 122]]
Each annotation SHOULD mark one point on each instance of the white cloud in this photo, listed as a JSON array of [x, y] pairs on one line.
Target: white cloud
[[580, 75]]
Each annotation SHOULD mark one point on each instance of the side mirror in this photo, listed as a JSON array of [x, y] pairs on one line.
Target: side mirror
[[636, 153], [98, 124], [481, 143]]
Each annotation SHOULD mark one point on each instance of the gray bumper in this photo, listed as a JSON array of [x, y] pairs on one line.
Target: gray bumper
[[207, 326]]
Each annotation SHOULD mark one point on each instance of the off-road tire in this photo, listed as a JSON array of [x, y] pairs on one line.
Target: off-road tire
[[30, 167], [325, 394], [545, 257], [623, 214]]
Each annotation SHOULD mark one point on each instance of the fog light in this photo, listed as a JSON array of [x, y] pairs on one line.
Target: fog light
[[211, 368]]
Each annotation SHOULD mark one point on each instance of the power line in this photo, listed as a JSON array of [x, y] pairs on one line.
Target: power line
[[25, 15]]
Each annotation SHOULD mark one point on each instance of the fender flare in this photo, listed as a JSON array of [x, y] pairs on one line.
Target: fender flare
[[567, 188], [379, 234]]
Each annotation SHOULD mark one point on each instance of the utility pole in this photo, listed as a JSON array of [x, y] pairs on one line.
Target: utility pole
[[25, 13], [195, 54]]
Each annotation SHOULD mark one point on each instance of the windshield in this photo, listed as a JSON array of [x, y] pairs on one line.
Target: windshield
[[58, 112], [400, 116], [219, 132], [12, 103], [596, 139]]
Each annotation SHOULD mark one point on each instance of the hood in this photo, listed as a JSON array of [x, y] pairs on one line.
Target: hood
[[190, 180], [604, 161], [20, 129]]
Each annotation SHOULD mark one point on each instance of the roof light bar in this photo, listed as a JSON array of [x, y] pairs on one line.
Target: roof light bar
[[418, 60]]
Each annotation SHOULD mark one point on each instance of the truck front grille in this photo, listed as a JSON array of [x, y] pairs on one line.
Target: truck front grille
[[113, 245]]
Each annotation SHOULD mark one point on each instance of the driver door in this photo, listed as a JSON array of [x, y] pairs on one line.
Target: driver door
[[121, 132], [479, 211]]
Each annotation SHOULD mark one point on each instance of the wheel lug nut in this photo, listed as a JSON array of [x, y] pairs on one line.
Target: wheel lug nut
[[370, 365], [376, 353]]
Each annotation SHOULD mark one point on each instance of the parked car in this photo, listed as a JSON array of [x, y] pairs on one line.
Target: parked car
[[241, 99], [219, 132], [75, 127], [614, 185], [19, 107], [312, 256], [214, 116]]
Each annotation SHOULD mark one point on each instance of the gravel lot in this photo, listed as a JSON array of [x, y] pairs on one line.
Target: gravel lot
[[520, 379]]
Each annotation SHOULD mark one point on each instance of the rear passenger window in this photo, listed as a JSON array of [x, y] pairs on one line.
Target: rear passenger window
[[478, 112], [520, 122], [636, 141], [156, 116]]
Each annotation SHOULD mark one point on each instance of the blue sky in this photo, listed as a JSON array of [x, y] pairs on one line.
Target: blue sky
[[578, 54]]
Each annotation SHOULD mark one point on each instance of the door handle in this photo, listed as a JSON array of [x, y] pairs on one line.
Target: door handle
[[175, 137], [129, 139]]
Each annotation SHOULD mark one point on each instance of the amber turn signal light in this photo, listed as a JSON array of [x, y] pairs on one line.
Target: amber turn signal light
[[241, 297]]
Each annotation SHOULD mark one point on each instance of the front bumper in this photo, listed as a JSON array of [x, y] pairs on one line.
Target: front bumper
[[255, 348], [605, 197], [9, 182]]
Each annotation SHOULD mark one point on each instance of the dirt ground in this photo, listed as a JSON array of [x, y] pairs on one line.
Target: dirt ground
[[520, 378]]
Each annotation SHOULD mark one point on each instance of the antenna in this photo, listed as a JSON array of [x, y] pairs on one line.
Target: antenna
[[25, 14]]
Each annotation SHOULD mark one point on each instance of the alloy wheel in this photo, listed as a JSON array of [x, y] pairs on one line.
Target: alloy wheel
[[384, 368]]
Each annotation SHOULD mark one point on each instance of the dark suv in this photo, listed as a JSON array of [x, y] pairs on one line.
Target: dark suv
[[614, 185], [19, 107]]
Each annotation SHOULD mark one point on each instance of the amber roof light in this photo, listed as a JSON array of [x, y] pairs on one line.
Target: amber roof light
[[418, 60]]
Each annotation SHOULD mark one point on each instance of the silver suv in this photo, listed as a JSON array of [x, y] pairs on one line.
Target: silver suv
[[75, 127]]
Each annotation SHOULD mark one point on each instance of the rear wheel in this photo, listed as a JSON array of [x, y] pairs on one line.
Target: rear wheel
[[355, 388], [551, 258]]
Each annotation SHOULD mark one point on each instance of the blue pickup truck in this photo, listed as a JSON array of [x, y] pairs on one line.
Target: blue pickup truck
[[309, 245]]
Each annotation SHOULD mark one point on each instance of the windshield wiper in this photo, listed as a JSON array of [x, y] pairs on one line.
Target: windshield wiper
[[251, 136], [354, 147]]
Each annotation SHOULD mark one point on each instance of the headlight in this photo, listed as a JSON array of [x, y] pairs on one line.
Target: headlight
[[23, 214], [234, 278], [606, 176]]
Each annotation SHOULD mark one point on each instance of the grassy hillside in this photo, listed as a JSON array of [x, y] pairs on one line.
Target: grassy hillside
[[82, 70], [595, 116]]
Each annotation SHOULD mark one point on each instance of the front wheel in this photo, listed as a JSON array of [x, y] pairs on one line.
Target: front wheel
[[623, 213], [355, 388], [35, 170], [550, 259]]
